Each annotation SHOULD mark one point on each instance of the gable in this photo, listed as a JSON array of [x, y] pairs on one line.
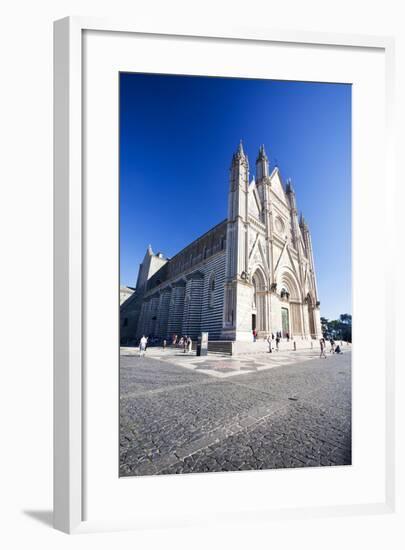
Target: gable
[[254, 206], [285, 260], [256, 254], [277, 187]]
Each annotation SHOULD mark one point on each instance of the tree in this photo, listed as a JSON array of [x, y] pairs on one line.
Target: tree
[[340, 329], [324, 326], [345, 318]]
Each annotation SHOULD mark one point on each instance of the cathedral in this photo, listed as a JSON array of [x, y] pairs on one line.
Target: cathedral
[[253, 271]]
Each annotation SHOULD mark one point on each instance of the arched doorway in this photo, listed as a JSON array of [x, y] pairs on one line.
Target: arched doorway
[[291, 304], [258, 301]]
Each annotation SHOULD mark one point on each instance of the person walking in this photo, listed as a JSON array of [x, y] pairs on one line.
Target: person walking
[[269, 341], [322, 343], [332, 345], [142, 346], [277, 341], [189, 345], [254, 335], [164, 345]]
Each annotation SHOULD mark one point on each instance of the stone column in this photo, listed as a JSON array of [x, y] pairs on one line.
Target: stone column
[[176, 309], [146, 318], [141, 322], [193, 304], [154, 304], [163, 313]]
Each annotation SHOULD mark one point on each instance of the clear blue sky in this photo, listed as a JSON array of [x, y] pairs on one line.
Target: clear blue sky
[[177, 137]]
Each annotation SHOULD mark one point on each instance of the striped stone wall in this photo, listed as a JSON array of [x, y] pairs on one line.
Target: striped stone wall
[[187, 305]]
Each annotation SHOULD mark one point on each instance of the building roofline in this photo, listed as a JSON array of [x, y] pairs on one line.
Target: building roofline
[[198, 238]]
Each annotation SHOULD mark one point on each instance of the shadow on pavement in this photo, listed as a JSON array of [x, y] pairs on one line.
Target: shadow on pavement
[[43, 516]]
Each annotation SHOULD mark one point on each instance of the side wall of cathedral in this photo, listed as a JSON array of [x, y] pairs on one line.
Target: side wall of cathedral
[[185, 297]]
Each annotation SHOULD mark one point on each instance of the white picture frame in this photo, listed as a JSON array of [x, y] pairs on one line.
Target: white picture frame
[[70, 211]]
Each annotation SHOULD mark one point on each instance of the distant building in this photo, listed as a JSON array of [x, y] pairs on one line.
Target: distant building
[[254, 270]]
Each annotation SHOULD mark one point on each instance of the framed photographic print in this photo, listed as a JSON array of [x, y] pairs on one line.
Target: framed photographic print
[[221, 201]]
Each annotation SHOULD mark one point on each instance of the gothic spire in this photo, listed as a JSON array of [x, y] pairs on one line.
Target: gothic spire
[[289, 187], [262, 154], [262, 165], [303, 223], [240, 153], [240, 156]]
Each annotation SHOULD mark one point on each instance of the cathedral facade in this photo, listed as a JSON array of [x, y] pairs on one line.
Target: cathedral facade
[[253, 271]]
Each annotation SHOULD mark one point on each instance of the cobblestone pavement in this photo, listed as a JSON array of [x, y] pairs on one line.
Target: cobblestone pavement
[[175, 420]]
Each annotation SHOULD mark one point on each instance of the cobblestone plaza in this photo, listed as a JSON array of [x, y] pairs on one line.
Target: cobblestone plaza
[[182, 415]]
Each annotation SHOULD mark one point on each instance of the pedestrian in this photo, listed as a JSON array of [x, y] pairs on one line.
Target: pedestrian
[[142, 345], [180, 342], [277, 341], [322, 343], [254, 335], [332, 345], [189, 344], [269, 341], [272, 335], [174, 341], [164, 344], [185, 344], [287, 335]]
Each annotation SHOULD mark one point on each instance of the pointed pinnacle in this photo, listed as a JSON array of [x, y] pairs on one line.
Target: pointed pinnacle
[[289, 186], [262, 153]]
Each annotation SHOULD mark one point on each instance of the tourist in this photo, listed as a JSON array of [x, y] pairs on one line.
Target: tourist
[[322, 343], [174, 341], [180, 342], [164, 345], [287, 335], [185, 340], [269, 341], [332, 345], [142, 345], [277, 341], [189, 344], [254, 335]]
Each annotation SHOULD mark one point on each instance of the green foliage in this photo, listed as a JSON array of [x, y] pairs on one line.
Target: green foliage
[[339, 329]]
